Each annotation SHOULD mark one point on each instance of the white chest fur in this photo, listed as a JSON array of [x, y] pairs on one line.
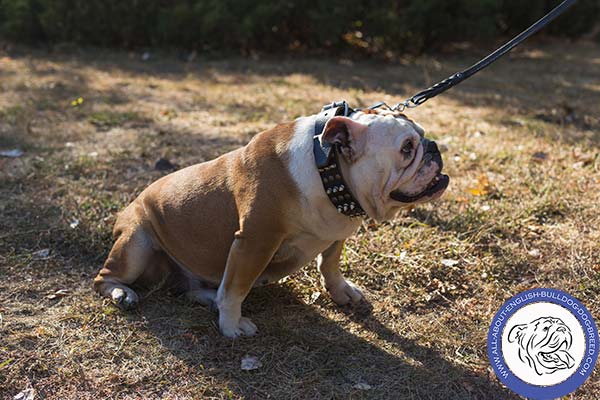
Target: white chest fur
[[319, 217]]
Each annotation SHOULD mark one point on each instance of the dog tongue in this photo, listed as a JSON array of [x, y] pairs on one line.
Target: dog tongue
[[566, 361]]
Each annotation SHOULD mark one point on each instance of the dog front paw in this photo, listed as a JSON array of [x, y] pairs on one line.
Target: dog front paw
[[345, 292], [243, 327]]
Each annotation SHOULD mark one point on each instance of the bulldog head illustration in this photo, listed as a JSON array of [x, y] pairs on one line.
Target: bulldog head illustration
[[544, 344]]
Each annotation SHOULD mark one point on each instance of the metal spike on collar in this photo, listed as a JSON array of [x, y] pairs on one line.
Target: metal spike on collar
[[337, 190]]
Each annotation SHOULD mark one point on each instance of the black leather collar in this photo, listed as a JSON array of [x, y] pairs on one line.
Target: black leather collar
[[327, 160]]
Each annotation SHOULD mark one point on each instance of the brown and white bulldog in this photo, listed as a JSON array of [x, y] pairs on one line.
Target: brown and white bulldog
[[257, 214]]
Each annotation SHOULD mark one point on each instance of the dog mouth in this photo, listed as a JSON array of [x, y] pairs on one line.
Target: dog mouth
[[438, 184], [558, 357]]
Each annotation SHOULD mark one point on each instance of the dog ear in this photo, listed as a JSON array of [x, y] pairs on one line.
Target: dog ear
[[516, 332], [348, 134]]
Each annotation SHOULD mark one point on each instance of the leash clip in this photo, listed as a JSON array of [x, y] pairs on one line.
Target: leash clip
[[408, 103]]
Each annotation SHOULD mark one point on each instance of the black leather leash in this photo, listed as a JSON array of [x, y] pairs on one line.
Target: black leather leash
[[458, 77], [327, 156]]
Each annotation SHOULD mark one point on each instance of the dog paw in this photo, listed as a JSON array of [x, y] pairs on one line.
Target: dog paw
[[345, 293], [243, 327], [124, 297]]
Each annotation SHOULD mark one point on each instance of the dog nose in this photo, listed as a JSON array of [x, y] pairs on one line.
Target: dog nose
[[429, 146], [433, 148]]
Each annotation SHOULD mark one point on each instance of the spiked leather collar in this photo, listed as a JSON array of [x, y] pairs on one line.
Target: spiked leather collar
[[327, 160]]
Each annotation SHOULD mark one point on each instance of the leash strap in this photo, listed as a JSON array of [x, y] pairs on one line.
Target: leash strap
[[458, 77]]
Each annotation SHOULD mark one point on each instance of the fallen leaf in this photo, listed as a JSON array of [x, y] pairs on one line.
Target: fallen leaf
[[534, 253], [447, 262], [41, 254], [477, 192], [58, 294], [410, 243], [314, 297], [250, 363], [77, 102], [535, 229], [482, 187], [578, 165], [27, 394], [14, 153], [362, 386]]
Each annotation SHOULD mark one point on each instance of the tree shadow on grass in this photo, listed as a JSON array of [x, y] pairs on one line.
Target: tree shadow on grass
[[519, 84], [307, 355]]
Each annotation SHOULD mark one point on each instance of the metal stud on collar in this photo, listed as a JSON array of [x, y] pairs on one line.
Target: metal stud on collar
[[337, 189]]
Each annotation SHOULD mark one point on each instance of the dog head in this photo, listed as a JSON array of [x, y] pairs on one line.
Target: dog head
[[387, 162], [544, 344]]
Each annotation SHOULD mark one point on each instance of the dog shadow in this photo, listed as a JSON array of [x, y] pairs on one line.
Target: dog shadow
[[305, 354]]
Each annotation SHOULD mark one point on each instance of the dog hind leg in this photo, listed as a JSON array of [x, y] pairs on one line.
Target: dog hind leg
[[131, 254]]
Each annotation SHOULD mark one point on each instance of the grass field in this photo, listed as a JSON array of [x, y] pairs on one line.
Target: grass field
[[521, 143]]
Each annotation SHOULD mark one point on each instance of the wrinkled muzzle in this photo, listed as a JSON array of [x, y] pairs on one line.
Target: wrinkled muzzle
[[554, 352], [436, 183]]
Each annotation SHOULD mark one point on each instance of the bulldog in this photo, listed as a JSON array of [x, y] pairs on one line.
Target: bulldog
[[544, 344], [259, 213]]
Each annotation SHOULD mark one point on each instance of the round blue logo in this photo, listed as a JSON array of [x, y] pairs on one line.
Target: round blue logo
[[543, 343]]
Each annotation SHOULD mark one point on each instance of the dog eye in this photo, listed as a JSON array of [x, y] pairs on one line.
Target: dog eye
[[407, 147]]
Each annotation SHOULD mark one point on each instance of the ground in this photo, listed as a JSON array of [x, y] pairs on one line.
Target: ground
[[521, 145]]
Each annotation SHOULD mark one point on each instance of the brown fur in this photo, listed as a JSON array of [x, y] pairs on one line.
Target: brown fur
[[178, 215]]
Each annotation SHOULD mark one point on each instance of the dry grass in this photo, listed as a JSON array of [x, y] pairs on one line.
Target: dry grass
[[521, 145]]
